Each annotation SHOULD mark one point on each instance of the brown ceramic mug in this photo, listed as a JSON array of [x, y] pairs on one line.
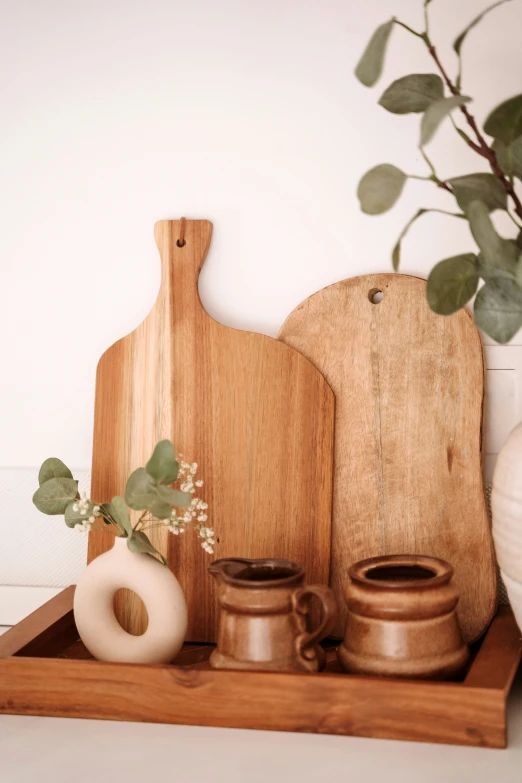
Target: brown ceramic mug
[[401, 619], [264, 621]]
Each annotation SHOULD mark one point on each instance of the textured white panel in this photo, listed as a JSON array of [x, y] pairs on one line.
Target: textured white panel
[[503, 401], [36, 549]]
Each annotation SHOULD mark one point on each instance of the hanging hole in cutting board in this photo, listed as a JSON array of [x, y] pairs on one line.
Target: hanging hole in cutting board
[[181, 239], [375, 295], [122, 597]]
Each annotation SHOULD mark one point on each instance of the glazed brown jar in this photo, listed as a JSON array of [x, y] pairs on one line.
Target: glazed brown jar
[[264, 622], [401, 619]]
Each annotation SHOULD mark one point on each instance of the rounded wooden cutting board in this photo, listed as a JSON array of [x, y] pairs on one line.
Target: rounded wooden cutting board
[[253, 413], [409, 387]]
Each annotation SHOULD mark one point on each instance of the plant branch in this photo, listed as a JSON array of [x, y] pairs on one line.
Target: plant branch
[[140, 520], [481, 147], [434, 178], [426, 20], [410, 29], [451, 214]]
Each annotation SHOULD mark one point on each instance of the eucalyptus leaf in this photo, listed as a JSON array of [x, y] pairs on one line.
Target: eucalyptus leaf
[[141, 493], [141, 544], [457, 44], [479, 187], [396, 252], [53, 468], [505, 122], [510, 157], [498, 309], [158, 507], [369, 67], [139, 489], [73, 517], [54, 495], [452, 283], [518, 240], [163, 466], [497, 251], [436, 112], [120, 514], [174, 496], [413, 93], [380, 188], [490, 272]]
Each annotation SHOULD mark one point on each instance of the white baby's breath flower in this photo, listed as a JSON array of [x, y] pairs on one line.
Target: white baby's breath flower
[[202, 518], [194, 468], [75, 507], [198, 483]]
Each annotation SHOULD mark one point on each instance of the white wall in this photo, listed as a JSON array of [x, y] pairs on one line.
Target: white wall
[[117, 113]]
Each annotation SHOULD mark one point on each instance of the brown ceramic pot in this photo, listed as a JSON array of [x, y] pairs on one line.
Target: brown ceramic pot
[[264, 621], [401, 619]]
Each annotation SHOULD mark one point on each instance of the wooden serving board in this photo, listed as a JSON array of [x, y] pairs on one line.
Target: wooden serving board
[[253, 413], [409, 388]]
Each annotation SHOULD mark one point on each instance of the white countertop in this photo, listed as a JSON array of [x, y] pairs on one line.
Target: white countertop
[[59, 750]]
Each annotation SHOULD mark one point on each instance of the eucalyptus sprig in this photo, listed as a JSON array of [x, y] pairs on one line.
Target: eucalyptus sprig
[[150, 490], [498, 261]]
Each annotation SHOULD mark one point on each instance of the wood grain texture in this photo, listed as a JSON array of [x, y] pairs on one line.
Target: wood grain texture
[[45, 632], [454, 713], [63, 682], [409, 389], [254, 414]]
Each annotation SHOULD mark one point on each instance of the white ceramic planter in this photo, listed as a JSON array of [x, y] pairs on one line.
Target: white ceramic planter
[[159, 590], [506, 506]]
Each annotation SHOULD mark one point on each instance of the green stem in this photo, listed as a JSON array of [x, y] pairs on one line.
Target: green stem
[[396, 253], [426, 20], [410, 30], [458, 80], [140, 520], [445, 212], [150, 527], [517, 224], [434, 178]]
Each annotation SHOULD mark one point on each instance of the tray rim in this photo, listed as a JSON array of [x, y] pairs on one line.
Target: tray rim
[[471, 712]]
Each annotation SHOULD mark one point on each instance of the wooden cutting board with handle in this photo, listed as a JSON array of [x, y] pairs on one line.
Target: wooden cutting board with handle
[[254, 414], [409, 389]]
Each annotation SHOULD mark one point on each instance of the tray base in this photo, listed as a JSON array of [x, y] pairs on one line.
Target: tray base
[[46, 670]]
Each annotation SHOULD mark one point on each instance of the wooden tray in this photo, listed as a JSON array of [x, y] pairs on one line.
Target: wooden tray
[[45, 670]]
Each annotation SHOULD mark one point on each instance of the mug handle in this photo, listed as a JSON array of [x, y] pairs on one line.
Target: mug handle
[[306, 642]]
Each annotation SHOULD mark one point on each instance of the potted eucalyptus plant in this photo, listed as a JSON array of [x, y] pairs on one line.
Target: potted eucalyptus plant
[[162, 494]]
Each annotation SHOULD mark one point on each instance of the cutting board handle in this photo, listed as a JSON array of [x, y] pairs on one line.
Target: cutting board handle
[[182, 261]]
